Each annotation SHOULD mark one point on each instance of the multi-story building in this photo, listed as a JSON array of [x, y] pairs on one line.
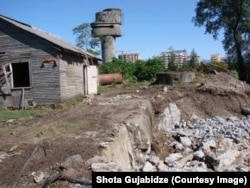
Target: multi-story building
[[180, 57], [129, 57], [215, 58]]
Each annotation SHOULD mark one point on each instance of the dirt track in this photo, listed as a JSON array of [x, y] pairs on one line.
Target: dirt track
[[66, 132]]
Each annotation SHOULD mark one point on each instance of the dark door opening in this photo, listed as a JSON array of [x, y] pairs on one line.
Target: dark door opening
[[21, 75]]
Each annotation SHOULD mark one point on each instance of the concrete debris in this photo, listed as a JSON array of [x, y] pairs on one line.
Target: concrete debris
[[203, 145], [212, 144], [215, 144]]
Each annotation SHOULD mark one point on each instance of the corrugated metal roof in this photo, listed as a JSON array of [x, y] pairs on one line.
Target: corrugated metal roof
[[48, 37]]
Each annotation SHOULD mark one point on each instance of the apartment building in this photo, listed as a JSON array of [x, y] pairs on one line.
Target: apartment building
[[180, 57], [129, 57]]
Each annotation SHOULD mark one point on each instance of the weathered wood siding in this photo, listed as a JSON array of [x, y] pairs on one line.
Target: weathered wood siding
[[71, 77], [20, 46]]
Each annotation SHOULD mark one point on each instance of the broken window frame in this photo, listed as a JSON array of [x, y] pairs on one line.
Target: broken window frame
[[11, 78]]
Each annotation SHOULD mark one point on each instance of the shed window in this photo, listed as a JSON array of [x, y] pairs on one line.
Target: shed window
[[20, 74]]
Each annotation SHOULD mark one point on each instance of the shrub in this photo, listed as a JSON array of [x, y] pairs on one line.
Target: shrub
[[233, 73], [139, 71], [146, 71], [218, 66], [117, 66]]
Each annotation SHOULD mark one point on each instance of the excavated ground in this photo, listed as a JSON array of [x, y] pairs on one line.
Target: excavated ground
[[64, 132]]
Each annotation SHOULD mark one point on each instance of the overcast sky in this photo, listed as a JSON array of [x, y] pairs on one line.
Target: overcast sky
[[149, 27]]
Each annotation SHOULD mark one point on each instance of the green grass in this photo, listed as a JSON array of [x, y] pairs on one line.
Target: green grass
[[7, 114], [104, 89], [72, 103]]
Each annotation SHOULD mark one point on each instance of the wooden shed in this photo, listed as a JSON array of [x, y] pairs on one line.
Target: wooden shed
[[37, 67]]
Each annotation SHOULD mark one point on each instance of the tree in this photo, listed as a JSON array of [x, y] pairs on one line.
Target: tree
[[171, 60], [194, 61], [85, 40], [232, 16]]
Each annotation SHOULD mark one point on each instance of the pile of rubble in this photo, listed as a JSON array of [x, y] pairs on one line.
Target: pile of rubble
[[213, 144]]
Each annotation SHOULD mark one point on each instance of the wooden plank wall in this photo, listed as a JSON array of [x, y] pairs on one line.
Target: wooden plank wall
[[71, 77], [20, 46]]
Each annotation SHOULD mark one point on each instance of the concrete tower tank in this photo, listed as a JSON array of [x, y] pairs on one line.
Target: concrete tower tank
[[107, 27]]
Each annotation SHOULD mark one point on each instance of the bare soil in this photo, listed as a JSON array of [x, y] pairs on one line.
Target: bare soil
[[64, 132]]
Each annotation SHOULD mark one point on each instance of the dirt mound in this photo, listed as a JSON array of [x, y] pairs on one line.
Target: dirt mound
[[222, 82]]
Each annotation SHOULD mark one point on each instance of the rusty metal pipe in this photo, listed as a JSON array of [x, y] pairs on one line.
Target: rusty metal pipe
[[114, 78]]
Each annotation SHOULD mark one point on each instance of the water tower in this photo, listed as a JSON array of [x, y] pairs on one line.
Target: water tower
[[107, 27]]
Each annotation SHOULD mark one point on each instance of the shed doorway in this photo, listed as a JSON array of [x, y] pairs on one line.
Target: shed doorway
[[90, 80]]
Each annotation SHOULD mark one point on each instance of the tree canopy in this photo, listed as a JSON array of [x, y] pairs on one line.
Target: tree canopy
[[85, 40], [233, 18]]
